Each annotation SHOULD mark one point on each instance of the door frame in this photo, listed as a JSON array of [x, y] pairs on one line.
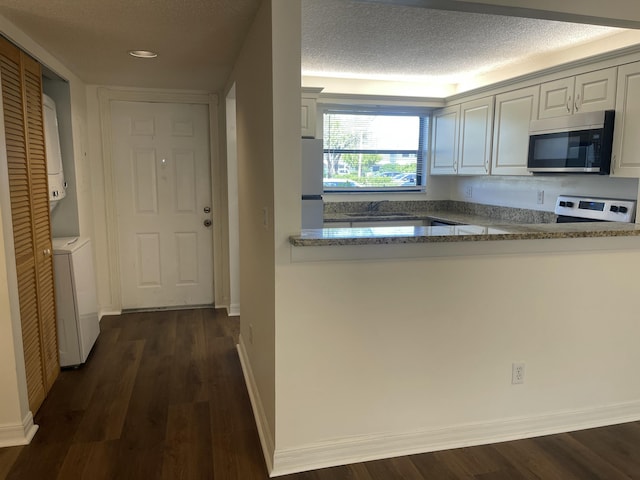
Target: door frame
[[105, 97]]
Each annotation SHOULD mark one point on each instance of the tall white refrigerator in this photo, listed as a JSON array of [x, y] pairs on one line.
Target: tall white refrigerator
[[312, 168], [76, 299]]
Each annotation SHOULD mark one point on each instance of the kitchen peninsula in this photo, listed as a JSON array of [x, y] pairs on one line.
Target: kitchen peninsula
[[376, 223]]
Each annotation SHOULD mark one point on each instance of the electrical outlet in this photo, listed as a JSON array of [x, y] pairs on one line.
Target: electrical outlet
[[540, 197], [517, 373], [468, 191]]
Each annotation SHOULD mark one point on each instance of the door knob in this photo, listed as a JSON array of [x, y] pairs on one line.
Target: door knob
[[207, 223]]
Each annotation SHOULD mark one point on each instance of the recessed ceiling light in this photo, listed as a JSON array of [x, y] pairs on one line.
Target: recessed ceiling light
[[143, 53]]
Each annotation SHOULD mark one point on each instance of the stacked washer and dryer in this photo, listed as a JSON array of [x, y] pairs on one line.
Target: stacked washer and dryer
[[75, 284]]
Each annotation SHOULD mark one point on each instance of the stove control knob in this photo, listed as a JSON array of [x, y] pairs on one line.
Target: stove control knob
[[570, 204], [562, 203], [623, 209], [614, 208]]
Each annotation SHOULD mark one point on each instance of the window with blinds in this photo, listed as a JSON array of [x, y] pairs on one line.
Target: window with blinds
[[374, 151]]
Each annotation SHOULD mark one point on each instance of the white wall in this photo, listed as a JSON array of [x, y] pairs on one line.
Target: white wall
[[391, 356], [253, 76]]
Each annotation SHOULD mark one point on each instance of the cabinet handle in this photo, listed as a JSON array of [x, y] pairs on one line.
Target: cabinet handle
[[47, 252], [577, 103], [569, 105]]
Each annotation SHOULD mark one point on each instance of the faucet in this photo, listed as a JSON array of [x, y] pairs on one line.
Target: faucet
[[375, 206]]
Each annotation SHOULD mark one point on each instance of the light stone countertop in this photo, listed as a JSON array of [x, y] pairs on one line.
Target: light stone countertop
[[459, 233], [475, 222]]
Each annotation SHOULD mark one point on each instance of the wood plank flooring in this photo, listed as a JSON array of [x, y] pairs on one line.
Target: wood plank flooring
[[162, 397]]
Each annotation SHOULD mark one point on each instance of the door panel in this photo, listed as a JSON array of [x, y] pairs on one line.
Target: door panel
[[145, 181], [161, 164], [185, 184], [148, 260]]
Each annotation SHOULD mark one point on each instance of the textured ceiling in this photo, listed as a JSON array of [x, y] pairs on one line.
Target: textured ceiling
[[197, 40], [344, 38]]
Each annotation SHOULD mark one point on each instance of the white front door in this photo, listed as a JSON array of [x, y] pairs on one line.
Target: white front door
[[163, 198]]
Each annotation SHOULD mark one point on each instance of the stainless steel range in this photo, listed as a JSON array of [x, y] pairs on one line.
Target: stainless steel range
[[590, 209]]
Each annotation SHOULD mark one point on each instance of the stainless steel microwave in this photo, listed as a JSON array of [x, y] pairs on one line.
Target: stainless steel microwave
[[579, 143]]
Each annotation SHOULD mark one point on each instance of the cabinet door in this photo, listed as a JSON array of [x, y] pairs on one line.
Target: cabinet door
[[626, 141], [444, 146], [476, 128], [595, 91], [513, 113], [556, 98], [308, 117]]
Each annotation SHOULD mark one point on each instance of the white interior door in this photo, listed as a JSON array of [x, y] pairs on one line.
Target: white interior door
[[161, 165]]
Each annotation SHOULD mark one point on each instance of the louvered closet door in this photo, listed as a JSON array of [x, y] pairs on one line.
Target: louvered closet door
[[28, 190], [40, 216]]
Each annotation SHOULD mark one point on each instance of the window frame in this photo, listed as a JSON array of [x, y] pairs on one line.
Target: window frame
[[423, 144]]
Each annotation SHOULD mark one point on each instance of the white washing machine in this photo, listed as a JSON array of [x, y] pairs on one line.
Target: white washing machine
[[76, 299]]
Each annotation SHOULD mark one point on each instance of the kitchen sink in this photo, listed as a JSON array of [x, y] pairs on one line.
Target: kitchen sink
[[377, 214]]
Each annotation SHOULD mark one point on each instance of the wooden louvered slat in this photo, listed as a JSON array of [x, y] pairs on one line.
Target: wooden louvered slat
[[20, 77], [31, 333], [41, 218]]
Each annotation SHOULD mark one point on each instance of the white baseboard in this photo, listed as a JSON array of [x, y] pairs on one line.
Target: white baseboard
[[266, 437], [20, 434], [233, 310], [373, 447], [104, 312]]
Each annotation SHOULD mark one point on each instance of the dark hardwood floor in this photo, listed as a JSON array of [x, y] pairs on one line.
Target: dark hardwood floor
[[162, 397]]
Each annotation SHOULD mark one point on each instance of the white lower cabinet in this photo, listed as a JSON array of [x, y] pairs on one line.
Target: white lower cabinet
[[513, 113], [626, 140]]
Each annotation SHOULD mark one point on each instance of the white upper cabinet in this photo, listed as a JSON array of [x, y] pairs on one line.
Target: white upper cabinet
[[309, 111], [476, 128], [462, 139], [513, 113], [626, 137], [444, 144], [588, 92]]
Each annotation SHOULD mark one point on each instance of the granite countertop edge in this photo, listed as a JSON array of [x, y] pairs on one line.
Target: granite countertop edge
[[375, 236]]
